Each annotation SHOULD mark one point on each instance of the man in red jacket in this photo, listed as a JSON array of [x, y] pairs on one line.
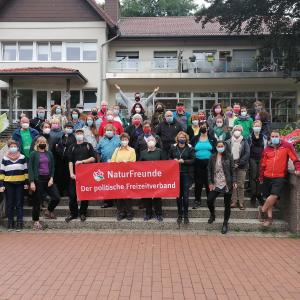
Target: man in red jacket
[[110, 120], [273, 169]]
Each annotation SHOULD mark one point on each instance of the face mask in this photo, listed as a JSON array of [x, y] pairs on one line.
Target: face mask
[[229, 114], [151, 144], [58, 111], [137, 98], [55, 126], [74, 116], [169, 120], [42, 146], [25, 125], [147, 130], [137, 110], [218, 110], [219, 124], [195, 122], [46, 130], [104, 108], [69, 130], [237, 133], [116, 112], [94, 113], [124, 143], [109, 133], [236, 110], [243, 113], [257, 129], [136, 122], [110, 118], [13, 150], [89, 122], [41, 115], [79, 137], [220, 149], [203, 130], [181, 141], [275, 140]]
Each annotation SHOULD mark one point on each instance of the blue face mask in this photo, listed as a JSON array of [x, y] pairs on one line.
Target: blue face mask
[[182, 142], [74, 116], [41, 115], [220, 149], [13, 150], [169, 120], [89, 122], [58, 111], [275, 140]]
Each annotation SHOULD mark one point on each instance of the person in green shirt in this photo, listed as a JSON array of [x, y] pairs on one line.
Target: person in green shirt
[[246, 122]]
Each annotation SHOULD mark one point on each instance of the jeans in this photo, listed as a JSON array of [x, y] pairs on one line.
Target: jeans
[[238, 194], [124, 207], [155, 203], [211, 204], [183, 200], [73, 205], [14, 194], [253, 177], [201, 178], [42, 189]]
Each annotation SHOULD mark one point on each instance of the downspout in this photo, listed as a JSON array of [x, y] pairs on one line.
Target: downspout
[[103, 75]]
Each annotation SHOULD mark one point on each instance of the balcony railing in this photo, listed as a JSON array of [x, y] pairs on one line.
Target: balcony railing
[[174, 65]]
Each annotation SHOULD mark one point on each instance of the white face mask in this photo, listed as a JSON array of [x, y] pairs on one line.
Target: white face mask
[[219, 124], [137, 110], [237, 133], [124, 143], [110, 118], [151, 144], [243, 113], [46, 130], [25, 125], [195, 122]]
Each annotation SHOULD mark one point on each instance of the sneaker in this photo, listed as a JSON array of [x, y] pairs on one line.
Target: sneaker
[[147, 218], [159, 218], [186, 220], [121, 217], [19, 226], [129, 217], [268, 222], [211, 219], [10, 226], [82, 218], [38, 226], [49, 215], [70, 218], [224, 228], [179, 220]]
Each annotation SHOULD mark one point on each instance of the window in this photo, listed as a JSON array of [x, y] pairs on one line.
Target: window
[[4, 99], [42, 51], [41, 98], [89, 51], [127, 59], [9, 51], [55, 97], [25, 51], [75, 98], [56, 50], [204, 55], [25, 99], [73, 51], [89, 99], [165, 60]]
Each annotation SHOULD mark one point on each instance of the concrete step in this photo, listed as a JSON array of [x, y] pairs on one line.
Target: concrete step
[[168, 212], [167, 224]]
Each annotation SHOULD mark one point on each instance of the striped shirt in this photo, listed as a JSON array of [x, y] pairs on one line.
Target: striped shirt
[[13, 171]]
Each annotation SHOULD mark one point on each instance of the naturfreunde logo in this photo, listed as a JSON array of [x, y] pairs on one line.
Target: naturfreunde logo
[[98, 175]]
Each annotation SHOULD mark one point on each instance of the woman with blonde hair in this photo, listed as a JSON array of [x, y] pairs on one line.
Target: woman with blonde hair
[[184, 153], [41, 172]]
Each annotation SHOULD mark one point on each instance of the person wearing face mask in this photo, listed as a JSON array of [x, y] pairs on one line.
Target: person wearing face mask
[[230, 115], [98, 121], [110, 120], [216, 112], [185, 155], [138, 109], [57, 112], [167, 131], [152, 153], [246, 122], [13, 181], [75, 117], [61, 175], [236, 109], [194, 129], [240, 150], [202, 117], [220, 131], [105, 149], [258, 144], [273, 171], [143, 138], [24, 136], [124, 153], [39, 119], [90, 132], [181, 116], [103, 110], [259, 113], [44, 131], [158, 116], [41, 173], [55, 135], [79, 153], [135, 130], [222, 180], [118, 116]]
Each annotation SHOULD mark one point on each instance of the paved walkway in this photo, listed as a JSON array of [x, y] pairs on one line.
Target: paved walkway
[[147, 266]]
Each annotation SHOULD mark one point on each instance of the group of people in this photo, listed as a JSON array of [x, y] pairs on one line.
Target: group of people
[[214, 152]]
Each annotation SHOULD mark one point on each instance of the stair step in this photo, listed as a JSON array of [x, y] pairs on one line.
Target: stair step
[[168, 212], [167, 224]]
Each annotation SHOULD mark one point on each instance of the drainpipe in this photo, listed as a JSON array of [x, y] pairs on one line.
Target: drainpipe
[[103, 75]]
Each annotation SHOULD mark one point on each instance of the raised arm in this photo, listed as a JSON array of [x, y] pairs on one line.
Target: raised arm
[[125, 100], [149, 100]]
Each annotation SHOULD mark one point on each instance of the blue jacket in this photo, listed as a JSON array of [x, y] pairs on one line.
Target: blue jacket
[[106, 147], [17, 136], [184, 120]]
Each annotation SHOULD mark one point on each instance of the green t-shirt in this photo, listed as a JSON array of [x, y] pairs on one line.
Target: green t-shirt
[[26, 142]]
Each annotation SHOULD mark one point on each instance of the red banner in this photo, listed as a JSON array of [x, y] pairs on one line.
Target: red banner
[[293, 137], [149, 179]]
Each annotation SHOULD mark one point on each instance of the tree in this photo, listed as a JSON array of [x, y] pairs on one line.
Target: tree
[[157, 8], [276, 22]]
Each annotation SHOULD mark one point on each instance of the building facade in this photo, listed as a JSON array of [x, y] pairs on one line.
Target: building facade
[[50, 55]]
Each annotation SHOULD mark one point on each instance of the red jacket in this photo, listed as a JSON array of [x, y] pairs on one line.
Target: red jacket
[[274, 162], [116, 124]]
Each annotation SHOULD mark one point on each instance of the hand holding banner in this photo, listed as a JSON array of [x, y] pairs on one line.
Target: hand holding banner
[[151, 179]]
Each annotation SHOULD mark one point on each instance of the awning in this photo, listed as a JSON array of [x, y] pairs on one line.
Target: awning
[[6, 74]]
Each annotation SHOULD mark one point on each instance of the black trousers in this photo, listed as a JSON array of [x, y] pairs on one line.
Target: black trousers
[[73, 203], [14, 194], [124, 207], [42, 189], [62, 175], [227, 202], [201, 178], [154, 203]]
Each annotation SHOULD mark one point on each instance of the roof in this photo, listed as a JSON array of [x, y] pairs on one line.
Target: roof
[[41, 71], [184, 26]]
